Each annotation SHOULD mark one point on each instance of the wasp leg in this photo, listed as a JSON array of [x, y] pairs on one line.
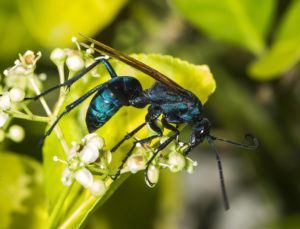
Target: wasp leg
[[141, 141], [68, 108], [128, 136], [154, 127], [68, 83], [161, 147]]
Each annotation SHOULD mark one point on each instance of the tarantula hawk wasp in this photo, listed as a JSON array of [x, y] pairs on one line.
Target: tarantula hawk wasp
[[165, 98]]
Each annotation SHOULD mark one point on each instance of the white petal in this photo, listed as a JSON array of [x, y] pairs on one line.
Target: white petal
[[16, 133], [75, 63], [16, 94], [84, 177], [3, 118], [98, 188], [5, 101], [67, 177], [94, 139], [153, 175], [136, 163], [176, 162], [190, 165], [58, 55], [89, 154]]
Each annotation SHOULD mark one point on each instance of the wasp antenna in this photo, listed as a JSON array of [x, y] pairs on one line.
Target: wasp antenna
[[221, 175], [251, 139]]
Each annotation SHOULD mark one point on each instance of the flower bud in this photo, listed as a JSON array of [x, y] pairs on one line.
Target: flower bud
[[136, 163], [89, 154], [176, 161], [16, 133], [58, 56], [152, 175], [75, 63], [190, 165], [98, 188], [3, 118], [16, 94], [95, 140], [67, 177], [5, 101], [84, 177]]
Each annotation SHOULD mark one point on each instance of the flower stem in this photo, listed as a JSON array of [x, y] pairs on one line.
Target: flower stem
[[37, 118], [57, 130], [54, 216]]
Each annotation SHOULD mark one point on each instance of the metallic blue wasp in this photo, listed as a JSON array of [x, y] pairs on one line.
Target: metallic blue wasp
[[165, 98]]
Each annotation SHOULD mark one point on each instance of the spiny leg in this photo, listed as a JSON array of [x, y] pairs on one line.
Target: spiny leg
[[128, 136], [151, 121], [68, 108], [69, 82], [161, 147], [141, 141]]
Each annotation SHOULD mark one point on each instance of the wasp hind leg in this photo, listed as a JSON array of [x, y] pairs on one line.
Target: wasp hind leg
[[154, 127], [161, 147]]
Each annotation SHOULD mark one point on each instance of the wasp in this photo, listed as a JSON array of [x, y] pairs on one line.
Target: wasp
[[165, 98]]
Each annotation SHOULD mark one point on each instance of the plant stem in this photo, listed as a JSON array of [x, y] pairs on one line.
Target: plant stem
[[62, 92], [54, 216], [84, 208], [37, 118], [57, 130]]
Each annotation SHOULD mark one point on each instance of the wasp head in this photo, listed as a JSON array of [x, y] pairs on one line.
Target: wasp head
[[200, 130]]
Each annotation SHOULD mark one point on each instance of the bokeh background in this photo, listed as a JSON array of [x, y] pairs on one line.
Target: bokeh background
[[253, 50]]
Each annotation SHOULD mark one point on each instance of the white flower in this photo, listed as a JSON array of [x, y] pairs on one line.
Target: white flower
[[58, 56], [89, 154], [16, 94], [5, 101], [176, 161], [152, 175], [3, 118], [136, 163], [16, 133], [190, 165], [67, 177], [75, 63], [94, 139], [98, 188], [84, 177]]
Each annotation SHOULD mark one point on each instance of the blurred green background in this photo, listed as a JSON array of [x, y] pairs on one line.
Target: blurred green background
[[253, 50]]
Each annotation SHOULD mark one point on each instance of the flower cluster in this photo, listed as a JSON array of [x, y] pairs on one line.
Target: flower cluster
[[75, 60], [15, 84], [87, 163], [172, 158], [20, 81]]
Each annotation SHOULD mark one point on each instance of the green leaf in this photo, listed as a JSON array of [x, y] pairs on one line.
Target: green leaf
[[285, 51], [197, 79], [22, 197], [54, 22], [241, 22]]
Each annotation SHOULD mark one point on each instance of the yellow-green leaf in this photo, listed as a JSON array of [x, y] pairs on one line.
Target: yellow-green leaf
[[241, 22], [54, 22], [21, 192], [285, 51]]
